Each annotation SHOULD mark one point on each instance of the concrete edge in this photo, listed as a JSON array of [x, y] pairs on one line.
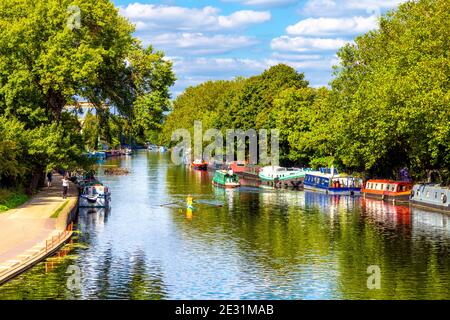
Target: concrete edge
[[65, 218]]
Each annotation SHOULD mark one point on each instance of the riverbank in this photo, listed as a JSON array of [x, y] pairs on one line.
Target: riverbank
[[36, 229], [11, 199]]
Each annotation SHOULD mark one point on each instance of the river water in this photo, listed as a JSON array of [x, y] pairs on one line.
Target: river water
[[240, 244]]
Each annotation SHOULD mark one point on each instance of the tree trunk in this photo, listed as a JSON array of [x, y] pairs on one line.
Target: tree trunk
[[56, 101], [37, 178]]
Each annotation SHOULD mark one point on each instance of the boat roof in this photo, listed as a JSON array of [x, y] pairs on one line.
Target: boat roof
[[324, 175], [278, 168], [387, 181], [223, 171]]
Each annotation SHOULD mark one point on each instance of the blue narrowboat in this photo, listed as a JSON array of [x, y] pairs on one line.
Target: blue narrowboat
[[331, 182]]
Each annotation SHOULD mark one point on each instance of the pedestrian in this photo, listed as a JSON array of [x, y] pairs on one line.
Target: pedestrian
[[65, 183], [49, 179]]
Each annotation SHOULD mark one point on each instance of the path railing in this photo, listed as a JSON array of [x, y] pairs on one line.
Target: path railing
[[35, 254]]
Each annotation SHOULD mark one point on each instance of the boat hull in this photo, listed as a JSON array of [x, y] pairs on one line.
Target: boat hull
[[397, 198], [296, 183], [202, 167], [334, 191], [432, 207], [101, 202]]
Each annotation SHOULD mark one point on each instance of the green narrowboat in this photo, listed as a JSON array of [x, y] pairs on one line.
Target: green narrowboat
[[226, 179]]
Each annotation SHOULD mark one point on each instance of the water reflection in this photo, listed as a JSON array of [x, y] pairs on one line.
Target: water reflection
[[390, 215], [248, 243]]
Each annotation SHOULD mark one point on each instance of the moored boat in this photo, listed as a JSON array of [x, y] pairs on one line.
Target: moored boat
[[331, 182], [239, 166], [94, 195], [128, 151], [200, 164], [279, 177], [226, 179], [388, 190], [431, 196]]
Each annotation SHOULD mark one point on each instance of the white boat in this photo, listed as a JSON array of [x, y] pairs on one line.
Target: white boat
[[94, 195], [280, 177], [128, 151]]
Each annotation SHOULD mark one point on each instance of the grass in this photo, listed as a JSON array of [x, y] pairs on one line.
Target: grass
[[10, 199], [58, 211]]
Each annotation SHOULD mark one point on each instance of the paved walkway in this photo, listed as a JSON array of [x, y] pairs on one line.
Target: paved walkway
[[30, 225]]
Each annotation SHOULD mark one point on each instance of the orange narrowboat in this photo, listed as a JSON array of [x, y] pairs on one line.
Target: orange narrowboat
[[388, 190]]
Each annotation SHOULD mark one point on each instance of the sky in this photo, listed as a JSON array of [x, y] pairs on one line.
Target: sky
[[224, 39]]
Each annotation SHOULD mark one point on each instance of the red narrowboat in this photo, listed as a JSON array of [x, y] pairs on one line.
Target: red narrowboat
[[388, 190], [200, 165], [239, 166]]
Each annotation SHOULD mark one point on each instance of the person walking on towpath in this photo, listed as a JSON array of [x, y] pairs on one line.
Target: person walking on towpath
[[49, 179], [65, 184]]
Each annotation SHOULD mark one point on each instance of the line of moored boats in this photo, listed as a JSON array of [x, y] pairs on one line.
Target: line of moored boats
[[330, 181], [101, 155]]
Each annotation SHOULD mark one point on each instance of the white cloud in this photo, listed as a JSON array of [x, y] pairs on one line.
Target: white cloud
[[302, 44], [193, 71], [242, 18], [199, 43], [233, 67], [265, 3], [347, 7], [333, 26], [296, 57], [161, 17]]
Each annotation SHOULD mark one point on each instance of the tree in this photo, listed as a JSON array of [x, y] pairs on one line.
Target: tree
[[391, 93], [48, 62]]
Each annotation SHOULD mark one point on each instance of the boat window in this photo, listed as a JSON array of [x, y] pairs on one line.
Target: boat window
[[428, 194], [435, 195]]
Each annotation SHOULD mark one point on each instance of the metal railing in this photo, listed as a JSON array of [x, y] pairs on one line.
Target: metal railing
[[50, 245]]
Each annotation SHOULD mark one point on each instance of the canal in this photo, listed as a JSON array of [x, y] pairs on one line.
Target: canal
[[243, 244]]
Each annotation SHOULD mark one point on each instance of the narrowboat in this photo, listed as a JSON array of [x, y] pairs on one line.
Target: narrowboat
[[331, 182], [200, 165], [246, 172], [94, 195], [388, 190], [239, 166], [431, 196], [279, 177], [226, 179]]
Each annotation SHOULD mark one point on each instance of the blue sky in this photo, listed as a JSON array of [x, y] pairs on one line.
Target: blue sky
[[223, 39]]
